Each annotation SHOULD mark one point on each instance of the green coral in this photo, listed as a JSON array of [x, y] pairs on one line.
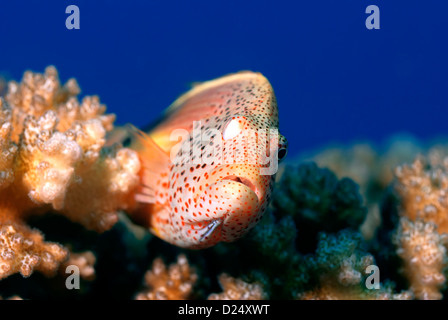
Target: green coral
[[266, 255], [314, 196], [344, 248], [272, 245], [318, 201], [340, 267], [274, 241]]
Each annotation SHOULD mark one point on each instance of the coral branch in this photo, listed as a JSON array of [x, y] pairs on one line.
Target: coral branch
[[23, 250], [425, 258], [237, 289], [174, 283], [340, 263], [85, 261], [422, 188], [53, 157], [318, 200]]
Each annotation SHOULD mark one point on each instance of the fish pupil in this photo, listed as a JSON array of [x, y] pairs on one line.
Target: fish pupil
[[282, 153]]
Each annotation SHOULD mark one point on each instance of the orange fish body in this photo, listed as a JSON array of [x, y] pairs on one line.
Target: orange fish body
[[209, 166]]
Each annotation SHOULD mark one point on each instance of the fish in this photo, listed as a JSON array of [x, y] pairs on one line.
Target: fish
[[209, 164]]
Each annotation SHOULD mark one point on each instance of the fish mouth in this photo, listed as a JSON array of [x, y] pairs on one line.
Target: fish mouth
[[244, 181]]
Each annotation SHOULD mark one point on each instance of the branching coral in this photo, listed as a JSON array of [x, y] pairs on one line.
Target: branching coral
[[237, 289], [423, 190], [271, 247], [341, 258], [318, 201], [174, 283], [423, 251], [313, 195], [52, 157], [23, 250], [421, 238], [340, 264], [373, 168], [85, 261]]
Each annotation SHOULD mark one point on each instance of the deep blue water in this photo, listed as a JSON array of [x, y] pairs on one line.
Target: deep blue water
[[335, 80]]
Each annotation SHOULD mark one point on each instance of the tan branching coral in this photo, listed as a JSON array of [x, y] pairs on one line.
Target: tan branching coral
[[85, 261], [52, 157], [423, 189], [23, 250], [422, 235], [173, 283], [237, 289], [423, 251]]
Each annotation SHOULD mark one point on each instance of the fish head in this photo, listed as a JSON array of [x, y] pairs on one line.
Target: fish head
[[235, 188]]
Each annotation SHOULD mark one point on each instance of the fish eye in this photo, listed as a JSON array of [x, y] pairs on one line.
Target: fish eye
[[233, 128], [281, 154]]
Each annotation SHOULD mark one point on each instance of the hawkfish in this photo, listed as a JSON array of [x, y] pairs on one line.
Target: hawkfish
[[208, 167]]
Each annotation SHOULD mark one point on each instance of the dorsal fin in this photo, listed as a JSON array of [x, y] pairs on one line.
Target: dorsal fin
[[199, 87], [156, 168]]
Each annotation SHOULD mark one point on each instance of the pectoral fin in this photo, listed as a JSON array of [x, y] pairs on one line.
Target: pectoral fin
[[156, 168]]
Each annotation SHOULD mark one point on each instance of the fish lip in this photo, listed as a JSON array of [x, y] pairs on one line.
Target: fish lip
[[244, 181]]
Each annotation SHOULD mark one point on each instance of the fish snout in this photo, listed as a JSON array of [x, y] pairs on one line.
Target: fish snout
[[238, 203], [241, 182]]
